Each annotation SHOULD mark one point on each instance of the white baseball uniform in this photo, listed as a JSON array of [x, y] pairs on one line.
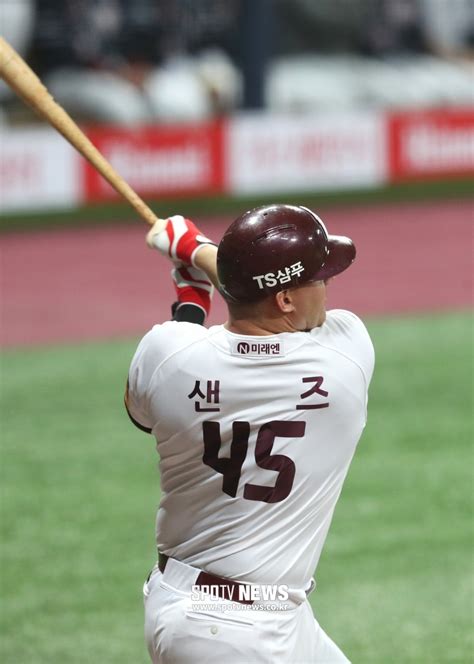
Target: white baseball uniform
[[255, 437]]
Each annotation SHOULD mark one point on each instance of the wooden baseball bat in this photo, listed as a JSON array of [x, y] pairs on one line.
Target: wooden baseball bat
[[19, 76]]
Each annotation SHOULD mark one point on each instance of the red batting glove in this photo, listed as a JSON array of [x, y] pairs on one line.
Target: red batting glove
[[193, 287], [180, 240]]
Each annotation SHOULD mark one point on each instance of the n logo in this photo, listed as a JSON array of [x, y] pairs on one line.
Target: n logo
[[243, 347]]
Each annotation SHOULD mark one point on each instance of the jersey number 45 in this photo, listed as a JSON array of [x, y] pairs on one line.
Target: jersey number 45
[[231, 467]]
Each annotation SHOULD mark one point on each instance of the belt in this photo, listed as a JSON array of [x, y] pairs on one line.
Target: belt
[[223, 588]]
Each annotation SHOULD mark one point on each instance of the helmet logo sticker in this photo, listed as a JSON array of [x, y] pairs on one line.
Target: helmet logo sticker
[[283, 276]]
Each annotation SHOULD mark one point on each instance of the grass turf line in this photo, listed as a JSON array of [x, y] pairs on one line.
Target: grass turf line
[[80, 489]]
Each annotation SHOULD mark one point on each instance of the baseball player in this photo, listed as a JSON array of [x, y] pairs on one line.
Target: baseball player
[[256, 423]]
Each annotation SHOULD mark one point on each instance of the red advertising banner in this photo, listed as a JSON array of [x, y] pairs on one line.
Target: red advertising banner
[[165, 160], [431, 144]]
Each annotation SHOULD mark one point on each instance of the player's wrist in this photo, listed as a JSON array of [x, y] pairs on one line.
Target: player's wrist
[[205, 259]]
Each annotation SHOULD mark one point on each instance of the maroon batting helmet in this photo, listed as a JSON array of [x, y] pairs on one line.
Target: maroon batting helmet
[[274, 247]]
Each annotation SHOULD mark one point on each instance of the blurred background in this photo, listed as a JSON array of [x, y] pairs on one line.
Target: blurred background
[[127, 63], [239, 97], [362, 110]]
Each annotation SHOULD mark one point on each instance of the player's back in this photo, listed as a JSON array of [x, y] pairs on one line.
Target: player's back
[[255, 436]]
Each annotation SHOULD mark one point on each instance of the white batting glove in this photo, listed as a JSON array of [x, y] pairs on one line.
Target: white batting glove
[[180, 240]]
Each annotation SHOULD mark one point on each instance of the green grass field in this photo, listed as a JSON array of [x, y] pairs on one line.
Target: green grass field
[[80, 488]]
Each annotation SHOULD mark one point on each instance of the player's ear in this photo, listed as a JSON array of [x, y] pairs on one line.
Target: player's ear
[[284, 302]]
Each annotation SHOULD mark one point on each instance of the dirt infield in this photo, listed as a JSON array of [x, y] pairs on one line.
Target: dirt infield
[[96, 283]]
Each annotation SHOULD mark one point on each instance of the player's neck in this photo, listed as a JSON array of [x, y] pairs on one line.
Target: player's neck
[[259, 327]]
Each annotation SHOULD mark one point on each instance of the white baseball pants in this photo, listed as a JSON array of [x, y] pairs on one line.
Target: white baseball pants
[[180, 631]]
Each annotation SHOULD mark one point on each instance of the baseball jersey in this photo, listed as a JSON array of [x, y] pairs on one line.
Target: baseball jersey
[[255, 436]]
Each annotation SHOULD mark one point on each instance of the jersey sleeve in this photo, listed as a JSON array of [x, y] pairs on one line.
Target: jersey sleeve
[[155, 347], [347, 333], [145, 361]]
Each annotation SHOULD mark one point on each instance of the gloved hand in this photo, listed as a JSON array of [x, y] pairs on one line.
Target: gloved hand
[[180, 240], [192, 287]]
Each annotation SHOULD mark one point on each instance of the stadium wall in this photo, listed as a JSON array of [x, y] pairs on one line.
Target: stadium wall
[[244, 154]]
